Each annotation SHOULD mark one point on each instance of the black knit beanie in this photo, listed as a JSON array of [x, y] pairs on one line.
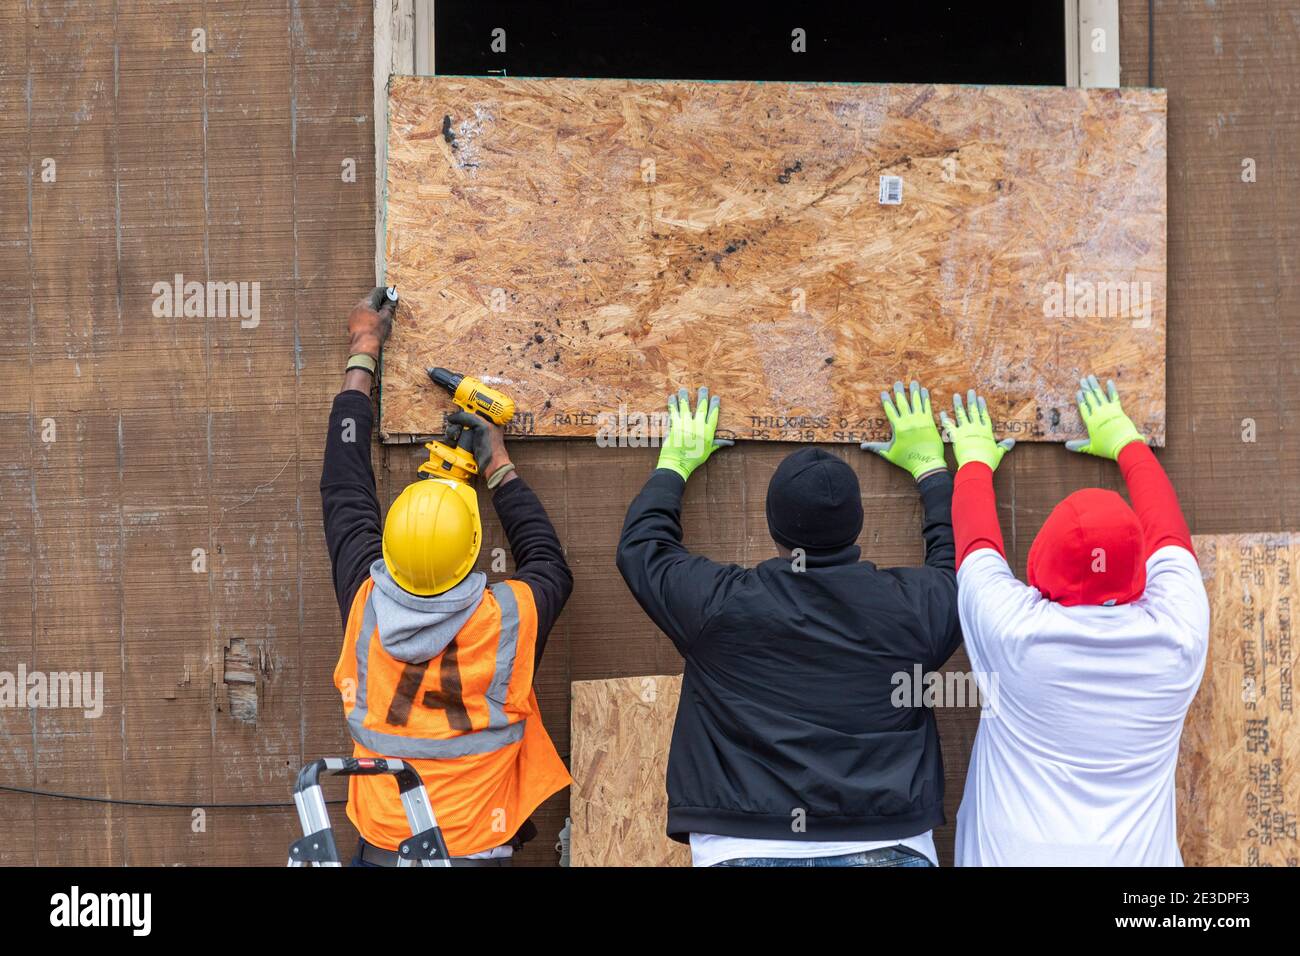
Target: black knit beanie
[[814, 502]]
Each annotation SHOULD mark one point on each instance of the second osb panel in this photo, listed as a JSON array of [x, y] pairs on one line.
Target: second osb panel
[[1238, 786]]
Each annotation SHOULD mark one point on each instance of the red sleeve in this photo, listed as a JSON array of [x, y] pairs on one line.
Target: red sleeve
[[1153, 499], [975, 511]]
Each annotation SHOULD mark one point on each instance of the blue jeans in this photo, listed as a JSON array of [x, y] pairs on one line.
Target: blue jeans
[[887, 856]]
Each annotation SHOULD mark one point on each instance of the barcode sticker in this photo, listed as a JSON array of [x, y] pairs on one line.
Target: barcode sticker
[[891, 190]]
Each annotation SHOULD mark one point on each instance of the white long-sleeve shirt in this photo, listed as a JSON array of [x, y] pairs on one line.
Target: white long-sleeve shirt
[[1074, 760]]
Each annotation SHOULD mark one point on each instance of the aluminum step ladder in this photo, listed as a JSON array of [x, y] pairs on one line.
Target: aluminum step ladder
[[425, 846]]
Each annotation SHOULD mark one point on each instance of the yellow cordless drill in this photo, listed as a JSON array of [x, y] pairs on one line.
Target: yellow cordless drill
[[452, 457]]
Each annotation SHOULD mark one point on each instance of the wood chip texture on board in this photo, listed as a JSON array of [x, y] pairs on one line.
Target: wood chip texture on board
[[621, 730], [1238, 786], [592, 245]]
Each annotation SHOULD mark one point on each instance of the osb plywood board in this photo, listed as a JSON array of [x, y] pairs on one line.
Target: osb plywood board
[[620, 736], [592, 245], [1238, 785]]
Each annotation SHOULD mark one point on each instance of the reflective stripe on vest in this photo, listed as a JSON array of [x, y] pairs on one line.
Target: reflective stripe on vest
[[506, 644], [499, 732]]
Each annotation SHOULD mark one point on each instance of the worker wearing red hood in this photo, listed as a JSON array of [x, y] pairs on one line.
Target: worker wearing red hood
[[1086, 672]]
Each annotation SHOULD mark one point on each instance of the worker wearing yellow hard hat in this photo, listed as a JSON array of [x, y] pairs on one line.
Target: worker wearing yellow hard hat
[[432, 535], [437, 664]]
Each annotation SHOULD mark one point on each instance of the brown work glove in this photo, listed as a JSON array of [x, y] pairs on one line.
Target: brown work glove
[[489, 447], [369, 323]]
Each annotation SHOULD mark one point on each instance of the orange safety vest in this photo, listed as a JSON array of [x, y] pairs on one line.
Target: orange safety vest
[[466, 720]]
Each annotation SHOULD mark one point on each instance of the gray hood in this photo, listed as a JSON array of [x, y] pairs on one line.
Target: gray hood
[[416, 629]]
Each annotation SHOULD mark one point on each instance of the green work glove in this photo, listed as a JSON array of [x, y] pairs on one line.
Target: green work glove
[[690, 441], [1109, 429], [915, 445], [972, 435]]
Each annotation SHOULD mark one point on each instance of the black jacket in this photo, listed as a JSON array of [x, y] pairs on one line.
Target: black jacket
[[786, 712], [354, 532]]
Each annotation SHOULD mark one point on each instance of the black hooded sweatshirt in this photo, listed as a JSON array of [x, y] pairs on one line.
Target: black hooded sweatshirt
[[787, 728]]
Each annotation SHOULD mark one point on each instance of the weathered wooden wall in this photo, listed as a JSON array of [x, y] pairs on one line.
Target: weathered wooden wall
[[593, 245], [173, 435], [129, 440]]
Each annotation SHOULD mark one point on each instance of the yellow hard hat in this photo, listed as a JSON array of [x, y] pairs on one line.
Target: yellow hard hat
[[432, 535]]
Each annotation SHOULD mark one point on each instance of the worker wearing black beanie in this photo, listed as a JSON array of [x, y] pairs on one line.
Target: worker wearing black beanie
[[791, 745], [814, 503]]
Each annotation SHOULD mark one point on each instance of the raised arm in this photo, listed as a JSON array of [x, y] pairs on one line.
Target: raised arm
[[678, 590], [936, 524], [1112, 434], [915, 446], [539, 557], [349, 504], [1174, 587], [988, 592], [974, 505], [1154, 500]]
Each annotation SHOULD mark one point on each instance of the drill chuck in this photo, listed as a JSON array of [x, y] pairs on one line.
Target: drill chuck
[[446, 378]]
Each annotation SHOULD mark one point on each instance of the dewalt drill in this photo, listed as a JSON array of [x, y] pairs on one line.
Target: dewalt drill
[[452, 457]]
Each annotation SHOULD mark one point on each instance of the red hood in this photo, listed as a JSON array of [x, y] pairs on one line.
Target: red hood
[[1090, 551]]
